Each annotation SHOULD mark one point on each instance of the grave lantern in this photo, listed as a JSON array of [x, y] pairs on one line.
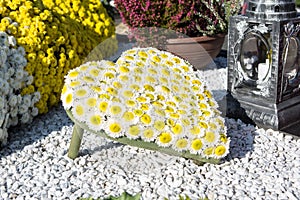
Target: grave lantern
[[264, 63]]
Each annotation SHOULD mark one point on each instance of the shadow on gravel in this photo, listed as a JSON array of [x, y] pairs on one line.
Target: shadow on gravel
[[88, 151], [240, 129], [41, 126], [241, 138]]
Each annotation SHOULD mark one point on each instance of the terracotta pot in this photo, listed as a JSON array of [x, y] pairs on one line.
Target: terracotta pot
[[199, 51]]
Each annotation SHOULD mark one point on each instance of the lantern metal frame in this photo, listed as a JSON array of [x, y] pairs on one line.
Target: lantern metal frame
[[264, 66]]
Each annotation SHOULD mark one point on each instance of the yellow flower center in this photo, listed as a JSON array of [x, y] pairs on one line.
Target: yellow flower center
[[124, 69], [115, 110], [94, 72], [81, 92], [208, 151], [181, 143], [195, 130], [146, 119], [73, 74], [96, 89], [159, 125], [69, 98], [115, 128], [138, 112], [64, 89], [103, 106], [143, 54], [109, 75], [203, 125], [148, 133], [128, 116], [95, 120], [149, 88], [79, 110], [223, 138], [130, 103], [209, 136], [74, 83], [165, 137], [156, 59], [196, 144], [128, 93], [220, 150], [134, 130], [177, 129], [91, 102], [88, 79]]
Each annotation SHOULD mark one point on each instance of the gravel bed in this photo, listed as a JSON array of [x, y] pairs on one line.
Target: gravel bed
[[262, 164]]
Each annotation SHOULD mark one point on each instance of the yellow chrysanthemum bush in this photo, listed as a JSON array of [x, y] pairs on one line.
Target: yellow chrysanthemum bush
[[148, 98], [57, 36]]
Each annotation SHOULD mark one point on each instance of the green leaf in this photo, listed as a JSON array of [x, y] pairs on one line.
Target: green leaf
[[126, 196]]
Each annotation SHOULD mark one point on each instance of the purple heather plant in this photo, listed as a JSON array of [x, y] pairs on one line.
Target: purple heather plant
[[189, 17]]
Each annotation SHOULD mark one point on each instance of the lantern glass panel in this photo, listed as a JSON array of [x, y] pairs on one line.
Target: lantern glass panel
[[254, 58]]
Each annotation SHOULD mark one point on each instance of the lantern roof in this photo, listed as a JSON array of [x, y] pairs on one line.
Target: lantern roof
[[271, 9]]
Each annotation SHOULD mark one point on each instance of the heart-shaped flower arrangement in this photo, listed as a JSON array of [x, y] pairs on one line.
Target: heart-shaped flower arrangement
[[150, 97]]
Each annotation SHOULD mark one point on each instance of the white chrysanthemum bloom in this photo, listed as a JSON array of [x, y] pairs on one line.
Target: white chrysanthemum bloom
[[17, 60], [36, 97], [94, 121], [82, 92], [80, 111], [29, 80], [13, 100], [114, 128], [34, 111], [72, 75], [67, 100], [196, 145], [10, 71], [165, 139], [4, 39], [23, 109], [181, 144], [116, 109], [19, 74], [13, 112], [126, 93], [210, 138], [26, 118], [26, 100], [148, 134], [21, 51], [134, 131]]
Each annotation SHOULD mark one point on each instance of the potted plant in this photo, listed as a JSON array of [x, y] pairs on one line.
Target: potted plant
[[204, 21]]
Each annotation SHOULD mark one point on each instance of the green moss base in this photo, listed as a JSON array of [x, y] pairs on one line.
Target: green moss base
[[78, 131]]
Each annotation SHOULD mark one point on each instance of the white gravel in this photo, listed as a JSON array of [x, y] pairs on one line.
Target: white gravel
[[262, 164]]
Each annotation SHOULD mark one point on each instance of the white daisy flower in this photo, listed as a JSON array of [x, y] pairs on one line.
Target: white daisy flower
[[134, 131], [116, 110], [148, 134], [181, 144], [94, 121], [165, 139], [114, 128]]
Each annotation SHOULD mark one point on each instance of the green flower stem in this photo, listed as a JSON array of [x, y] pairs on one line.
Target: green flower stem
[[137, 143], [75, 141]]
